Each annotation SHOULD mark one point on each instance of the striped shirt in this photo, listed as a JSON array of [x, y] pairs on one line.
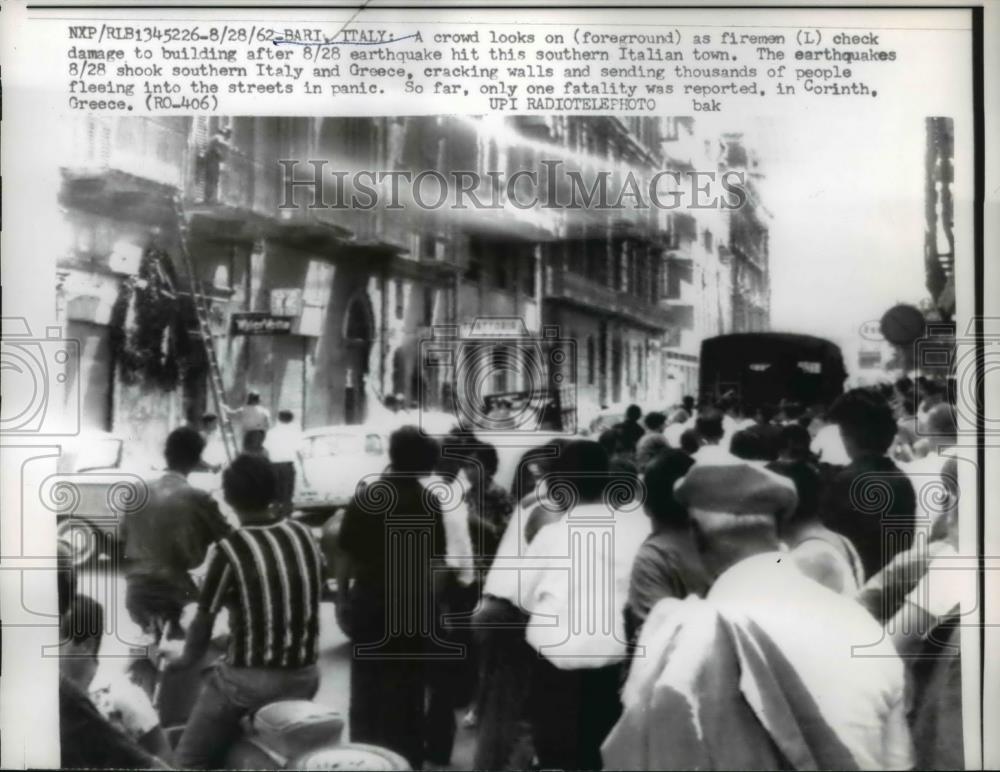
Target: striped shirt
[[269, 577]]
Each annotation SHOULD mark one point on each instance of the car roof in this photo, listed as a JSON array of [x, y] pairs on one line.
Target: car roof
[[356, 430]]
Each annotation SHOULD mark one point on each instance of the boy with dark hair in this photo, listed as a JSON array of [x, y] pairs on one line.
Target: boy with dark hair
[[820, 553], [688, 404], [748, 446], [667, 564], [183, 449], [630, 429], [169, 537], [655, 421], [653, 441], [268, 575], [766, 430], [709, 426], [490, 506], [614, 444], [871, 501], [690, 441]]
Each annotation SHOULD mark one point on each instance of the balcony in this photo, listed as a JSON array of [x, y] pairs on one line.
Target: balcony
[[125, 168], [153, 149], [302, 229], [576, 290], [748, 239]]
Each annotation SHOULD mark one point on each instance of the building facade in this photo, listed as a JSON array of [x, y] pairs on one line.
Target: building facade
[[749, 245], [617, 299]]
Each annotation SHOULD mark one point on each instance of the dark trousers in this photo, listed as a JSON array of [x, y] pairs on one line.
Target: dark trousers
[[403, 697], [573, 711], [229, 693], [284, 483], [155, 603], [505, 668], [406, 706]]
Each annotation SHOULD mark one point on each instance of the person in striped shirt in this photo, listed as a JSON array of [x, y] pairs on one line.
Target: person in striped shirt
[[268, 574]]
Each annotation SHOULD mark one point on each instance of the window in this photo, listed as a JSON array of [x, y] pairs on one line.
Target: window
[[591, 360], [707, 240], [399, 298], [428, 248], [501, 363], [528, 275], [428, 306], [373, 445], [319, 279], [670, 130], [502, 274], [221, 277]]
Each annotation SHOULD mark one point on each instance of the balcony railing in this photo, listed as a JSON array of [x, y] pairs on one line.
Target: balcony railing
[[578, 290], [154, 149]]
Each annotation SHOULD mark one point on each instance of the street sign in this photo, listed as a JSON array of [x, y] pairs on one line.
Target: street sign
[[869, 359], [497, 327], [872, 330], [260, 324]]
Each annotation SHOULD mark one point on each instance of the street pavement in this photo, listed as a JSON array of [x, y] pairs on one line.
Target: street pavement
[[122, 638]]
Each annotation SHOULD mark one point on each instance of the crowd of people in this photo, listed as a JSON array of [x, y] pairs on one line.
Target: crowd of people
[[695, 587]]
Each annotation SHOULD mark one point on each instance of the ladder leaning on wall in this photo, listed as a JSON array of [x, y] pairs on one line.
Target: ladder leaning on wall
[[204, 333]]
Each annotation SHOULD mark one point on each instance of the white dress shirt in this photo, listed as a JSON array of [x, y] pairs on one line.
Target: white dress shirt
[[283, 443], [577, 585]]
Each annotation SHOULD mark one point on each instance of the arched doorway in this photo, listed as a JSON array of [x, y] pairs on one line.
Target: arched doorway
[[359, 332]]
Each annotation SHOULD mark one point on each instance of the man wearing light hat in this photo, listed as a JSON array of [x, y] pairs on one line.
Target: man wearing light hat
[[724, 483]]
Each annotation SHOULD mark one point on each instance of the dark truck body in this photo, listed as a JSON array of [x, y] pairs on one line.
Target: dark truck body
[[766, 367]]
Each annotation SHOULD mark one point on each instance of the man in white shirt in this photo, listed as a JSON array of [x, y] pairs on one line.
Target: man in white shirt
[[283, 443], [252, 417], [828, 446], [575, 589]]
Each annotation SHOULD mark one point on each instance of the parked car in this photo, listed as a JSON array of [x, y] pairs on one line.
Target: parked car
[[98, 482], [606, 418], [333, 459]]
